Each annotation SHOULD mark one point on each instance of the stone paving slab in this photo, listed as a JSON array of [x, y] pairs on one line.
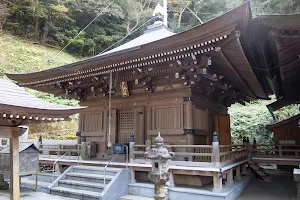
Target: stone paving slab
[[30, 195], [282, 187]]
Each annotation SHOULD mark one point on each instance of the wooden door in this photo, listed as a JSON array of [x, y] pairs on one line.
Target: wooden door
[[222, 126], [125, 125]]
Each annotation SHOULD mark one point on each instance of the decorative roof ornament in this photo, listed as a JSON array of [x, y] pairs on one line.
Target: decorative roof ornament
[[159, 10]]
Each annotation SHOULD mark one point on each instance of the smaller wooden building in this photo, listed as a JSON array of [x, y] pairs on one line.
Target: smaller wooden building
[[17, 107], [287, 131]]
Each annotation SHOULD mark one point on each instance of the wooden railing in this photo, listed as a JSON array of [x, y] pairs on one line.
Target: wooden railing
[[277, 151], [196, 155], [71, 150], [229, 153]]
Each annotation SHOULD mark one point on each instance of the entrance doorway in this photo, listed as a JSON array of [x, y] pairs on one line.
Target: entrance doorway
[[125, 125]]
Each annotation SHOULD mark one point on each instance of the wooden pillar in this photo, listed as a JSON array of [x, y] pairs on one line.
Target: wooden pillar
[[132, 173], [244, 169], [148, 122], [217, 179], [14, 165], [230, 176], [280, 151], [238, 172], [216, 154], [139, 129], [189, 126]]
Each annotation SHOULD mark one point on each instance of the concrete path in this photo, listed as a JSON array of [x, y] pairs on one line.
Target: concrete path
[[29, 195], [282, 187]]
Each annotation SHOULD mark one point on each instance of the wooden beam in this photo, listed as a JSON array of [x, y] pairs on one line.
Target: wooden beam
[[192, 172], [230, 176], [238, 172], [14, 165]]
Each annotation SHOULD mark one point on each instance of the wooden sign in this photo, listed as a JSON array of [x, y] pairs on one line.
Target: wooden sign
[[124, 89]]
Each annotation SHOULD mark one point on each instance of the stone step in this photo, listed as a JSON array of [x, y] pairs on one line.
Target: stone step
[[81, 185], [75, 193], [141, 189], [32, 182], [30, 185], [45, 177], [133, 197], [88, 177], [96, 170]]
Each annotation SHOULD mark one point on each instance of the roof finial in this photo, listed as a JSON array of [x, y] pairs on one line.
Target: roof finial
[[160, 11]]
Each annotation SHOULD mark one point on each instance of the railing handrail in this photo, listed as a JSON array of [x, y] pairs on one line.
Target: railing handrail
[[104, 179], [58, 159]]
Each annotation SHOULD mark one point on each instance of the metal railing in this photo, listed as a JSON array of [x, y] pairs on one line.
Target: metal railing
[[126, 157], [58, 159]]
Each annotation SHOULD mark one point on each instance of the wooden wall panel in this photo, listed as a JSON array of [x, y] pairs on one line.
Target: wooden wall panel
[[222, 123], [287, 133], [92, 122], [201, 120], [169, 117]]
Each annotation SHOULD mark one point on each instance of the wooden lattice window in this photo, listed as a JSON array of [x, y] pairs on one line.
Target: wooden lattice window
[[125, 125]]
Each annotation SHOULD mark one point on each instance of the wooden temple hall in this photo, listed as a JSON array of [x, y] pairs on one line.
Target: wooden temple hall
[[181, 86]]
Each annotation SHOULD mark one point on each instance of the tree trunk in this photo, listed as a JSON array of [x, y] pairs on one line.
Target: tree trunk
[[180, 16], [36, 27]]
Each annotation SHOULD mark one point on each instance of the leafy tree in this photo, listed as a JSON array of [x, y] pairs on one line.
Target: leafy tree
[[251, 121]]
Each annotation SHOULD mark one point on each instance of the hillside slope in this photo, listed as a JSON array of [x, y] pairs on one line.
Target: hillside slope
[[19, 55]]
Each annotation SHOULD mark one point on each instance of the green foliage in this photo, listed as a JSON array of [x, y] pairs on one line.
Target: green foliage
[[251, 121], [57, 131], [18, 55]]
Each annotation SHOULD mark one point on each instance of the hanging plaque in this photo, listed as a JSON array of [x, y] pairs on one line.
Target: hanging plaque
[[124, 89]]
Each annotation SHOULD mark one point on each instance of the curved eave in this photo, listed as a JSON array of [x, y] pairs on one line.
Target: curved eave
[[284, 33], [202, 32], [18, 103]]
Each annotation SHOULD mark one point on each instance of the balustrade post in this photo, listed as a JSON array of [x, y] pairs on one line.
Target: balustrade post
[[216, 151], [131, 148], [40, 143], [59, 148], [148, 148]]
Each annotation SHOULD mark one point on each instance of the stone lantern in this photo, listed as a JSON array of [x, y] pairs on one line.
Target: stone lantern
[[159, 157]]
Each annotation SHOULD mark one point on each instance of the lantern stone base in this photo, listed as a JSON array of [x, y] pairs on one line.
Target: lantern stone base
[[4, 185]]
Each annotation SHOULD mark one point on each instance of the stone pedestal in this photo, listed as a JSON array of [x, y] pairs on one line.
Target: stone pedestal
[[297, 178], [3, 184]]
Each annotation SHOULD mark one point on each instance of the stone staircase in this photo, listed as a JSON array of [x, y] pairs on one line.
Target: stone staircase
[[83, 182], [139, 191], [44, 181]]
